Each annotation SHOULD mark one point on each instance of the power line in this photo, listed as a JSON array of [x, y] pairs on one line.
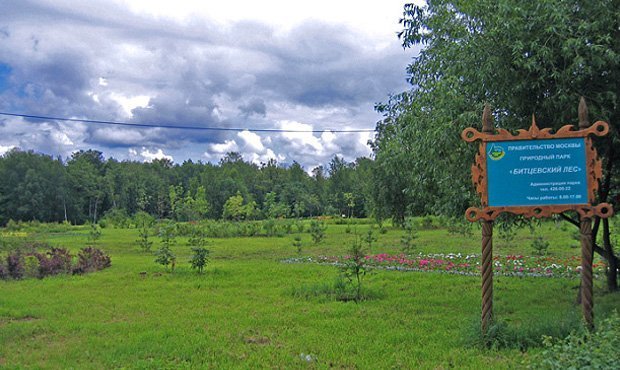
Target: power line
[[150, 125]]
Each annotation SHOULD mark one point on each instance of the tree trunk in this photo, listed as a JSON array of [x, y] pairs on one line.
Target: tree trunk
[[64, 205], [95, 212]]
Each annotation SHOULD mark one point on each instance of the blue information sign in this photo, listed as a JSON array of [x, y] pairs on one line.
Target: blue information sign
[[536, 172]]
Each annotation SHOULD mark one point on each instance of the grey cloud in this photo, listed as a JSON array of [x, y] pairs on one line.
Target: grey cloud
[[194, 73], [254, 106]]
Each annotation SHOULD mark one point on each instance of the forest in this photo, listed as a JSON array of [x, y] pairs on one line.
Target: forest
[[87, 186]]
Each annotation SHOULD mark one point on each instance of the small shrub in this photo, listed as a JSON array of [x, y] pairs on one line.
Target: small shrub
[[370, 237], [540, 246], [427, 223], [584, 350], [4, 273], [15, 265], [94, 234], [165, 257], [91, 259], [317, 231], [167, 231], [270, 227], [117, 218], [299, 224], [57, 261], [144, 222], [297, 244], [199, 259], [528, 334], [288, 227], [339, 290], [407, 241], [12, 225], [198, 237], [31, 266], [354, 268]]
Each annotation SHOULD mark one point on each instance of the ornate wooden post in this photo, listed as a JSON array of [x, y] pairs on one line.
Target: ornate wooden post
[[536, 173], [487, 246], [587, 301]]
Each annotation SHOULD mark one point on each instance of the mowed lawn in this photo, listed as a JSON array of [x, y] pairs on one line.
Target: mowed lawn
[[241, 313]]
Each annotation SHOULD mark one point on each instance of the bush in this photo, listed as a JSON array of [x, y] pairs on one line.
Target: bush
[[31, 266], [200, 259], [15, 265], [91, 259], [407, 240], [540, 246], [529, 334], [297, 243], [116, 218], [584, 350], [354, 268], [4, 273], [57, 261], [165, 257], [317, 231]]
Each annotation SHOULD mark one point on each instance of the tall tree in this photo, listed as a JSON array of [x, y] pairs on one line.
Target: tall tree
[[520, 57]]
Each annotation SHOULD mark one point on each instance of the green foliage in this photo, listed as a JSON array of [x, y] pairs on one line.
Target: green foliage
[[339, 290], [297, 244], [94, 233], [91, 259], [540, 246], [354, 268], [167, 233], [522, 336], [31, 266], [165, 257], [164, 254], [144, 223], [234, 209], [116, 218], [407, 240], [370, 237], [317, 231], [520, 57], [198, 237], [199, 259], [583, 349], [272, 208]]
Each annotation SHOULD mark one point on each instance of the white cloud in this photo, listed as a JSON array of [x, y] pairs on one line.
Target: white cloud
[[4, 149], [305, 141], [252, 141], [129, 103], [223, 148], [150, 156]]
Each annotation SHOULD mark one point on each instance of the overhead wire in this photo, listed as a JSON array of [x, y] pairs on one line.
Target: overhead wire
[[168, 126]]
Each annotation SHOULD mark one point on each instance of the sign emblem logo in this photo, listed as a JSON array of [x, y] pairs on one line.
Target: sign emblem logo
[[496, 152]]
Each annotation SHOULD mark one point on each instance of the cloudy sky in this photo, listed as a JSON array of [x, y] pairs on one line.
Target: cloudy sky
[[292, 65]]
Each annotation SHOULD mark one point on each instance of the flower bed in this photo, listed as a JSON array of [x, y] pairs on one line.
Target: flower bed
[[457, 263]]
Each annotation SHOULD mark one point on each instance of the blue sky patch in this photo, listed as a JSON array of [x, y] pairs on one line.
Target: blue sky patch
[[5, 72]]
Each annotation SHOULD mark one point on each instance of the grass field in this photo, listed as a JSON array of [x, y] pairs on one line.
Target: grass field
[[241, 313]]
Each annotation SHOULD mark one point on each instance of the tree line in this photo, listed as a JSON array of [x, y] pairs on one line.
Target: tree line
[[86, 186]]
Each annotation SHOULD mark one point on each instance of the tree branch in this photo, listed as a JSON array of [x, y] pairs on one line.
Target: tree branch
[[569, 219]]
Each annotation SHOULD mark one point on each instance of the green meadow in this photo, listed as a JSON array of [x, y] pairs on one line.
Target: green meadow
[[242, 313]]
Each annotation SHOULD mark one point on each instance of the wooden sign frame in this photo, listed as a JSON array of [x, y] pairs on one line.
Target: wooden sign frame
[[487, 214], [594, 171]]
